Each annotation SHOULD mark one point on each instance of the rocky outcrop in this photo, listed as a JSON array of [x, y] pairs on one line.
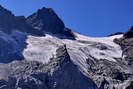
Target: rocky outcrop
[[129, 34], [108, 74], [44, 20], [9, 23], [23, 26], [59, 73], [126, 43], [47, 21], [130, 86], [7, 20]]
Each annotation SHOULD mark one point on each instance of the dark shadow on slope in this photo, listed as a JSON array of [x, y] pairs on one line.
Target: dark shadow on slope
[[11, 48], [13, 45]]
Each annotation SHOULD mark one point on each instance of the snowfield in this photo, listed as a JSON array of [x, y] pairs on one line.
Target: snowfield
[[44, 48]]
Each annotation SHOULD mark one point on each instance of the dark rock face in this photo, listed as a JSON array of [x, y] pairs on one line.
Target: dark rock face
[[129, 34], [46, 20], [130, 86], [117, 33], [7, 20], [107, 74], [23, 26], [126, 44]]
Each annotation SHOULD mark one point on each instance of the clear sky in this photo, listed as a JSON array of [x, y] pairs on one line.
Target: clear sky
[[89, 17]]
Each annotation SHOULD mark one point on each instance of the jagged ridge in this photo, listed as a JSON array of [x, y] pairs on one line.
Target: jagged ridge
[[44, 20]]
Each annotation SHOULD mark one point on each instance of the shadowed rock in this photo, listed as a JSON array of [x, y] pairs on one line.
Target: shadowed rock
[[129, 34], [47, 21]]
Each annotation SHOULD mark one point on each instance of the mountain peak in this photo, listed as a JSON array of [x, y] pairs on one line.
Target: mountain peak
[[45, 9], [47, 21], [45, 16]]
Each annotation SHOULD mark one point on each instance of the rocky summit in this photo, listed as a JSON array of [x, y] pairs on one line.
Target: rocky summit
[[40, 52]]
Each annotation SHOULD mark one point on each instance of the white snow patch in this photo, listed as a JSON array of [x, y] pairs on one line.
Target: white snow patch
[[80, 52], [106, 40], [114, 52], [39, 49]]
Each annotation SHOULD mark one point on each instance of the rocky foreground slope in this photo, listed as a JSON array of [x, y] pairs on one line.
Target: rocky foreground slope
[[39, 52]]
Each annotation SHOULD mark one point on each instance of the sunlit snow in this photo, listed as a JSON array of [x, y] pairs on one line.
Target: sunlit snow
[[44, 48]]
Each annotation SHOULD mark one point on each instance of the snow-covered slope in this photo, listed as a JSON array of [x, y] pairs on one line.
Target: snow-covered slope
[[44, 48], [51, 43]]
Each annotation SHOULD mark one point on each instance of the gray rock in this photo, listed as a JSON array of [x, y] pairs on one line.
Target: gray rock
[[59, 73]]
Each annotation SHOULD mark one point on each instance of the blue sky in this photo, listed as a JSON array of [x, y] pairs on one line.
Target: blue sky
[[89, 17]]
